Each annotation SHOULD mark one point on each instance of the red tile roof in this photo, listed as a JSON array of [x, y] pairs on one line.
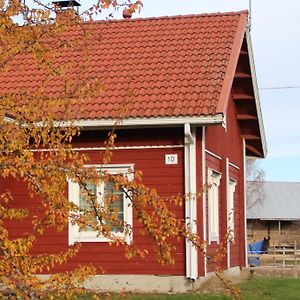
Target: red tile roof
[[180, 66]]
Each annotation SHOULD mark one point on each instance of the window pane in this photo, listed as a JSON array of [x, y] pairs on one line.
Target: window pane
[[87, 194], [115, 199]]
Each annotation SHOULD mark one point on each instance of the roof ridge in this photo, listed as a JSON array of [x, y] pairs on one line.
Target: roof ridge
[[231, 13]]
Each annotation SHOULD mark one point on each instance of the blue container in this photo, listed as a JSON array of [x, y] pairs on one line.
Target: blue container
[[254, 261]]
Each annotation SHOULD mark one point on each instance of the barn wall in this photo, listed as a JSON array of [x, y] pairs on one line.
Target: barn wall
[[225, 143], [259, 229], [167, 179]]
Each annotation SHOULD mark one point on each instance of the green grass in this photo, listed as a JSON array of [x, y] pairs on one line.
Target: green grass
[[271, 289], [258, 288], [160, 297], [173, 296]]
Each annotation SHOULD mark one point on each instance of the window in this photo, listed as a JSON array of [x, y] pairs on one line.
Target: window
[[230, 208], [102, 192], [213, 205]]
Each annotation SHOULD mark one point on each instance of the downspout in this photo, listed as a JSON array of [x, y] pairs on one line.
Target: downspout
[[191, 199], [204, 204]]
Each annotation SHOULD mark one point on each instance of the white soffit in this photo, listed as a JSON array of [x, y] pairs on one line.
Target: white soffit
[[166, 121]]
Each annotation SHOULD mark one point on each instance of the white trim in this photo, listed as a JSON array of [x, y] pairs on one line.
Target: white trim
[[9, 119], [230, 209], [74, 235], [213, 195], [163, 121], [233, 165], [224, 125], [188, 137], [256, 93], [114, 168], [190, 174], [227, 198], [213, 154], [204, 195], [245, 205], [230, 189], [115, 148]]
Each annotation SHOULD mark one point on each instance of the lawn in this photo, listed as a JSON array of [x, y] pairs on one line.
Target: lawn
[[258, 288], [271, 288]]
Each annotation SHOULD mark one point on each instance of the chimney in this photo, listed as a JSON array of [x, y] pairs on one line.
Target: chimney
[[66, 9], [127, 13]]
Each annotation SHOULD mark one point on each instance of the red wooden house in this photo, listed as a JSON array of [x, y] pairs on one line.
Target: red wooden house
[[192, 116]]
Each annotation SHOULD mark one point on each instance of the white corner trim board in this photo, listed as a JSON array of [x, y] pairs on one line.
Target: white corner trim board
[[191, 199]]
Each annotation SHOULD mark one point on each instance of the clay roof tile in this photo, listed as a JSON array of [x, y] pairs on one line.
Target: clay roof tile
[[170, 66]]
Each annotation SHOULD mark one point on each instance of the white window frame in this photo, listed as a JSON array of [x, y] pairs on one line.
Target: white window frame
[[214, 179], [75, 235], [231, 185]]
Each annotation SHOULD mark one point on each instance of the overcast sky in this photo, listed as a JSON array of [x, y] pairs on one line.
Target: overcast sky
[[276, 45]]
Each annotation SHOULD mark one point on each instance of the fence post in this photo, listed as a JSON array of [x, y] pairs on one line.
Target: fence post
[[274, 253], [295, 253], [296, 259]]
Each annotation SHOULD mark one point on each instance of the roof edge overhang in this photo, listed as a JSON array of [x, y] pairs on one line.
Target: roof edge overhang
[[256, 93], [232, 64], [217, 119], [243, 35]]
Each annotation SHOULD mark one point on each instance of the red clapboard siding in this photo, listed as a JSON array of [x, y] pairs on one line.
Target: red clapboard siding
[[228, 143], [132, 137], [199, 182], [168, 179]]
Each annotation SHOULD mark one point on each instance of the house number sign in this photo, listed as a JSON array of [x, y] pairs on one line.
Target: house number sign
[[171, 159]]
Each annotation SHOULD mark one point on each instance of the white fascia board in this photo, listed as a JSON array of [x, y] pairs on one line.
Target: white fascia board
[[138, 122], [256, 93]]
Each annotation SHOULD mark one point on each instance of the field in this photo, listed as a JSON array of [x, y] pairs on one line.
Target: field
[[271, 288], [257, 288]]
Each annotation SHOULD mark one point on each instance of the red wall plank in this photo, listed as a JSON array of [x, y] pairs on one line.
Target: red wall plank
[[228, 143], [167, 179]]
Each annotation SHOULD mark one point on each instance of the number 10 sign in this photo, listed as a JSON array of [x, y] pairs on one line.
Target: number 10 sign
[[171, 159]]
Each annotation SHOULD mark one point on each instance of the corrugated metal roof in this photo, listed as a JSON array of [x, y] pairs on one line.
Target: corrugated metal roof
[[273, 201]]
